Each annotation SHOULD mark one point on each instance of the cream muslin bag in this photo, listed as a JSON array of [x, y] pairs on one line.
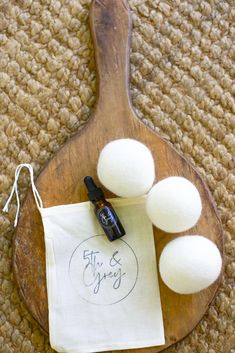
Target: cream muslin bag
[[101, 295]]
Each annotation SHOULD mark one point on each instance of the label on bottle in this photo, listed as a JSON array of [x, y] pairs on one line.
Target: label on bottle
[[107, 217]]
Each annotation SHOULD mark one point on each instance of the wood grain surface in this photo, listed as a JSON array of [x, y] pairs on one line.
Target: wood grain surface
[[61, 182]]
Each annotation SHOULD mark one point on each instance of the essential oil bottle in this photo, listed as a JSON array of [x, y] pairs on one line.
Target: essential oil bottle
[[104, 211]]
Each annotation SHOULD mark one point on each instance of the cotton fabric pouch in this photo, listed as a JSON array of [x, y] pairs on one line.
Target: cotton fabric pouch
[[102, 295]]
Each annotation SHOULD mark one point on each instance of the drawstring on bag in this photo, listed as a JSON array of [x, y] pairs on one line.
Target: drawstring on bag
[[14, 189]]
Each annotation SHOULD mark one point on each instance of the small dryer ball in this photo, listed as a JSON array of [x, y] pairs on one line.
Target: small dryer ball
[[189, 264], [174, 204], [126, 167]]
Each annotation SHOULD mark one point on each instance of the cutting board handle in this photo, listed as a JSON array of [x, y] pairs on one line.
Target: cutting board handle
[[110, 22]]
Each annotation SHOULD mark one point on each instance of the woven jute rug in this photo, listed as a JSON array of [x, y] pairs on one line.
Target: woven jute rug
[[182, 73]]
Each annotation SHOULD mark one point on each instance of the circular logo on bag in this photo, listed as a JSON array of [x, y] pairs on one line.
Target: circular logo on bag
[[103, 272]]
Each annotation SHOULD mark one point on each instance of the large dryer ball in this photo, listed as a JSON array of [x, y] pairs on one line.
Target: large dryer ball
[[189, 264], [174, 204], [126, 167]]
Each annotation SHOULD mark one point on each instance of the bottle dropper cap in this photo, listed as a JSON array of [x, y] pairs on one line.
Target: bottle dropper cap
[[94, 193]]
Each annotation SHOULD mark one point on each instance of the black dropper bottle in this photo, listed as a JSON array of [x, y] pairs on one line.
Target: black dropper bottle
[[104, 211]]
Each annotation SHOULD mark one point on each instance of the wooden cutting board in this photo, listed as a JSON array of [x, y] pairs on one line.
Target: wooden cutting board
[[61, 182]]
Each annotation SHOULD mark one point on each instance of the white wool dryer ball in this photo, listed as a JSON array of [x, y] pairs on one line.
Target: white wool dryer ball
[[189, 264], [174, 204], [126, 167]]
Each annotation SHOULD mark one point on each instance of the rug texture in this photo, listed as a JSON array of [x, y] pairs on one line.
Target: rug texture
[[182, 85]]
